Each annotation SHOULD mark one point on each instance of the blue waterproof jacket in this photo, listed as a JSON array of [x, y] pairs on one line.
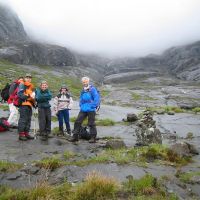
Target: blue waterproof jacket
[[43, 98], [89, 99]]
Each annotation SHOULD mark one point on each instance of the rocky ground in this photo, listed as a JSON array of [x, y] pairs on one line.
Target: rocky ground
[[174, 128]]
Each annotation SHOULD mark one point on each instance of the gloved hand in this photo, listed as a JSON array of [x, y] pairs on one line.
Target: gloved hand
[[32, 95]]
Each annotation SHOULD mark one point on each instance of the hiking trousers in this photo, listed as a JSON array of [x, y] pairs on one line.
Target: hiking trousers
[[91, 122], [24, 123], [13, 117], [64, 114], [44, 118]]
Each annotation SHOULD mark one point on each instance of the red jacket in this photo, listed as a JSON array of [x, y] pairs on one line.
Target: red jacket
[[12, 96]]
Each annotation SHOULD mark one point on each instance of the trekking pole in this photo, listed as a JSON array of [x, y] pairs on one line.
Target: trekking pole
[[35, 124]]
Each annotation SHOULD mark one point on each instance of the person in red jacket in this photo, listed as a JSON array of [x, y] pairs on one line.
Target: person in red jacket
[[13, 117]]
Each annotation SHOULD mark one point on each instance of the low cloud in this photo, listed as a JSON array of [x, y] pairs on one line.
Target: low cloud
[[112, 27]]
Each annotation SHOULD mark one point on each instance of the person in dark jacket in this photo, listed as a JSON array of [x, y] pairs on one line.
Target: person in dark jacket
[[43, 96], [26, 96], [89, 101]]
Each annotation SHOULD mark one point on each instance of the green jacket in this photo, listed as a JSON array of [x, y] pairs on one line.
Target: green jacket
[[43, 98]]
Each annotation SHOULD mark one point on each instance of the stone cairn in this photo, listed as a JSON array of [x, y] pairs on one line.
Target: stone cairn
[[146, 130]]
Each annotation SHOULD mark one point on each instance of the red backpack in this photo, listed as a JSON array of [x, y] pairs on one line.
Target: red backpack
[[14, 88], [4, 125]]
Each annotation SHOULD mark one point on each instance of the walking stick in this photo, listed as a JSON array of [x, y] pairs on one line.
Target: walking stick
[[35, 124]]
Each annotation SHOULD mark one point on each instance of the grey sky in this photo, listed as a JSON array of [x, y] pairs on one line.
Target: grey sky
[[113, 27]]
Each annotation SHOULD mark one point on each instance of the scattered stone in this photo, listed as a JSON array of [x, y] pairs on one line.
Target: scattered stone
[[115, 144], [31, 170], [192, 149], [184, 149], [171, 113], [195, 179], [59, 142], [14, 176], [160, 112], [189, 135], [131, 117]]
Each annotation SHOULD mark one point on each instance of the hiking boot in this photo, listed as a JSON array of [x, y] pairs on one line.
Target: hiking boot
[[44, 137], [68, 131], [61, 132], [22, 136], [28, 136], [92, 140], [74, 138]]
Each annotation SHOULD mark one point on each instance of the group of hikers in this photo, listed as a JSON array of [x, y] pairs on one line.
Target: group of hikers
[[23, 98]]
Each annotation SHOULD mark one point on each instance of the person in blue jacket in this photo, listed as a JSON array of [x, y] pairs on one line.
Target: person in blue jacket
[[89, 102], [43, 96]]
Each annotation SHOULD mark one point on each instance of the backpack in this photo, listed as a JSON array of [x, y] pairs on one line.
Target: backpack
[[84, 133], [4, 125], [13, 87], [16, 100], [5, 92]]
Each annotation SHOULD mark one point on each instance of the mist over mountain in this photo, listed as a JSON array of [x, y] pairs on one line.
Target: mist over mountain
[[16, 46]]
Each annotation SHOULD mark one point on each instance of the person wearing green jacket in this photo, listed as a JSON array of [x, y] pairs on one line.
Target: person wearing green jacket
[[43, 96]]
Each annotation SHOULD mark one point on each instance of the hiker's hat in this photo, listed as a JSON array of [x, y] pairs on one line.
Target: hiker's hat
[[28, 75], [63, 86], [85, 80]]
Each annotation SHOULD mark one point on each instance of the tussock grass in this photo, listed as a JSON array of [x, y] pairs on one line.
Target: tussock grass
[[97, 186], [49, 163], [6, 166]]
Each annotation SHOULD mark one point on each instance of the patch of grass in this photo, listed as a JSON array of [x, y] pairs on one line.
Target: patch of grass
[[94, 187], [104, 93], [136, 97], [99, 122], [54, 119], [105, 122], [69, 154], [97, 186], [49, 163], [144, 186], [6, 166], [187, 176], [55, 131], [196, 110], [110, 138], [167, 109]]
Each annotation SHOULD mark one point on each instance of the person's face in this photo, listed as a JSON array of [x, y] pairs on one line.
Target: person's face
[[44, 86], [21, 79], [28, 79], [85, 84], [63, 90]]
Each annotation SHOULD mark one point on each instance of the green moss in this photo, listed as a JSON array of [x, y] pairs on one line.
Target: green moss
[[6, 166], [187, 176]]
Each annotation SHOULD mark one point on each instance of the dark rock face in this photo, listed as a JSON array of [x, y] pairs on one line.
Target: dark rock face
[[11, 28], [184, 61], [37, 53], [15, 45]]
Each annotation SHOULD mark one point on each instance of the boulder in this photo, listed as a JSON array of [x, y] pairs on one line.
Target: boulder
[[181, 149], [115, 144], [131, 117]]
